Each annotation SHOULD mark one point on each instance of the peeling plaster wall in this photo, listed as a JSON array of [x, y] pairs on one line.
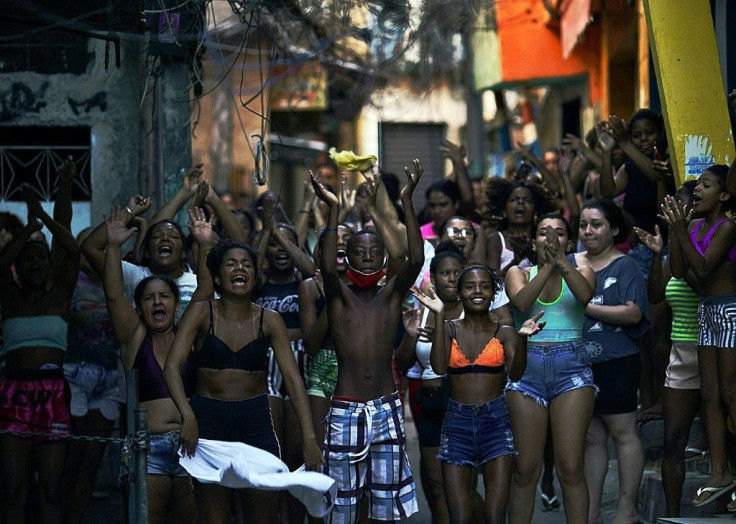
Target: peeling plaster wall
[[106, 101]]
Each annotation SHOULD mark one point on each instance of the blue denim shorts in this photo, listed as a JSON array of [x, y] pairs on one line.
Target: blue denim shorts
[[553, 370], [163, 456], [474, 434]]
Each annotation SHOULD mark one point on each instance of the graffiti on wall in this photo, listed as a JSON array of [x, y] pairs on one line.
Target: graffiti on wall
[[20, 100], [97, 100]]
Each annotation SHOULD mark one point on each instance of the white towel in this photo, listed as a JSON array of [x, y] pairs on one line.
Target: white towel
[[237, 465]]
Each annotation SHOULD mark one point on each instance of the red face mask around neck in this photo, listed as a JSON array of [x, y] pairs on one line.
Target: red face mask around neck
[[364, 280]]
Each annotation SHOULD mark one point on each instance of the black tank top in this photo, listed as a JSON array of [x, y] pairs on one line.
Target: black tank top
[[284, 300]]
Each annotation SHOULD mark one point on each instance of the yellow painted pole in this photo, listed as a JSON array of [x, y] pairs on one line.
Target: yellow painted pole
[[690, 85]]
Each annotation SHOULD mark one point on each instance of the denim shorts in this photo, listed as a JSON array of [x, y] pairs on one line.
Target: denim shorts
[[93, 387], [163, 456], [553, 370], [474, 434]]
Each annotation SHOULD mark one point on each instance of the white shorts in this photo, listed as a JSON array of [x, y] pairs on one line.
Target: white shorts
[[93, 387]]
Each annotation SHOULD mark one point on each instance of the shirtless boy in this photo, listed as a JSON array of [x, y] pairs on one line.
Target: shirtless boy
[[365, 441]]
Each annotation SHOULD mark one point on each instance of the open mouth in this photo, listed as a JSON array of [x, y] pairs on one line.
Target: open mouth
[[158, 314], [696, 201], [165, 251], [239, 280], [477, 300], [341, 254]]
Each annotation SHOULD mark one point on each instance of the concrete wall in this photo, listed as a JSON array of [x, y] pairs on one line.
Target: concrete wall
[[399, 104], [114, 123]]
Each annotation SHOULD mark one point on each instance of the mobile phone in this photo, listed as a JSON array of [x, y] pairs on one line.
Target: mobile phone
[[657, 156]]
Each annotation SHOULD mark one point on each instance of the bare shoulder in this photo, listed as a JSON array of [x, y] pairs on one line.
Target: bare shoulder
[[505, 333]]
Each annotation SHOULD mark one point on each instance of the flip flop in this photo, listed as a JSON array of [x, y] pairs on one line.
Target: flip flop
[[714, 493], [732, 505], [548, 503], [692, 452]]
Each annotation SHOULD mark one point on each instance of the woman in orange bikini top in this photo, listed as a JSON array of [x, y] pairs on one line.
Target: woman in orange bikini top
[[477, 431]]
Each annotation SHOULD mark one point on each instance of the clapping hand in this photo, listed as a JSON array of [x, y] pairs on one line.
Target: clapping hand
[[655, 243], [531, 327]]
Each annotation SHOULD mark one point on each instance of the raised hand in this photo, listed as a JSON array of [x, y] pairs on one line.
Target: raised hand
[[200, 196], [347, 194], [430, 299], [372, 181], [201, 227], [117, 230], [618, 129], [190, 182], [455, 152], [605, 138], [531, 327], [662, 168], [655, 243], [68, 170], [31, 200], [565, 160], [322, 193], [412, 179], [410, 319], [138, 204], [267, 210], [572, 141]]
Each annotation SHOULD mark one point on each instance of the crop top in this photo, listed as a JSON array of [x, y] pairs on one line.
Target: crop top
[[37, 331], [490, 360], [215, 354], [151, 383], [564, 316], [702, 244]]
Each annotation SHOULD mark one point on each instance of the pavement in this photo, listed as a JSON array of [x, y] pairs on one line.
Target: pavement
[[108, 507]]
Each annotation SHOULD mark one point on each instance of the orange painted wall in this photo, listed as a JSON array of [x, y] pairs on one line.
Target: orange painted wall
[[531, 48]]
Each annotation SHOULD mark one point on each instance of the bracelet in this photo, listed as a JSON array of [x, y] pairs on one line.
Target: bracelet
[[129, 211]]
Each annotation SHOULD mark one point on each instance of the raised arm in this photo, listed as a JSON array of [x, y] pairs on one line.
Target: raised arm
[[456, 154], [301, 222], [391, 231], [301, 260], [315, 328], [527, 154], [656, 282], [705, 265], [610, 185], [11, 251], [64, 244], [228, 220], [440, 354], [186, 191], [193, 317], [330, 278], [125, 321], [204, 236], [410, 269], [93, 246]]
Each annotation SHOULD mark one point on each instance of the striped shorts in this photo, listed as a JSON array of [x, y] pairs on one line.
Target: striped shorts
[[365, 452], [275, 386], [717, 319]]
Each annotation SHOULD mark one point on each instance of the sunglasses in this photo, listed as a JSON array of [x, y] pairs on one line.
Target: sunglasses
[[464, 232]]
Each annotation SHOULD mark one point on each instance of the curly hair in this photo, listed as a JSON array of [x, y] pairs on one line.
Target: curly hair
[[495, 279], [498, 191], [444, 250], [217, 255]]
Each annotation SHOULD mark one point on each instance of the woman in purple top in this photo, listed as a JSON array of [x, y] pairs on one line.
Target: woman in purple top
[[145, 334]]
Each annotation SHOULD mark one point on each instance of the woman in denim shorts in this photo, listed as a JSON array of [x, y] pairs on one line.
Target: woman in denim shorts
[[557, 388], [474, 351]]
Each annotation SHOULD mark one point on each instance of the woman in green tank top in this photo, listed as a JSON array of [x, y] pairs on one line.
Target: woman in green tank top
[[557, 386]]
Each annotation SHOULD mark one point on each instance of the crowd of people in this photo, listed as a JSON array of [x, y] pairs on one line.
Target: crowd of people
[[522, 323]]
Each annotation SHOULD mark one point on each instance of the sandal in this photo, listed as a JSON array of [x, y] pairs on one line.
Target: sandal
[[713, 493], [549, 503], [731, 507]]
